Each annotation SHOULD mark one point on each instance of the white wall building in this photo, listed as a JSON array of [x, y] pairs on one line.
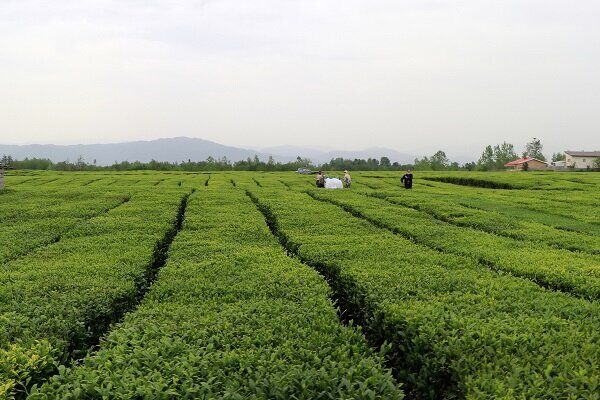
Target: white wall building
[[581, 159]]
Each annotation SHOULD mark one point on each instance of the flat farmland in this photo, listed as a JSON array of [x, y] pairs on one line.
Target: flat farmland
[[259, 285]]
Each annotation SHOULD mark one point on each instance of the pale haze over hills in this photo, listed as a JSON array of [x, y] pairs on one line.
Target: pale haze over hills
[[182, 149]]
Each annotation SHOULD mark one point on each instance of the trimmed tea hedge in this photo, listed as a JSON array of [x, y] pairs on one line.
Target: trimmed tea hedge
[[457, 329], [493, 222], [555, 268], [231, 316], [42, 217], [56, 301]]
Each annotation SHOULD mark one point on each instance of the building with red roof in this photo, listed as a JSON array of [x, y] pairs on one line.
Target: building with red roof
[[526, 163]]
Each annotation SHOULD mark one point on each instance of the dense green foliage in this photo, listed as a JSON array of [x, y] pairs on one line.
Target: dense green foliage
[[231, 316], [57, 299], [534, 149], [210, 164], [494, 158], [473, 285], [544, 181], [457, 327], [41, 217], [555, 268]]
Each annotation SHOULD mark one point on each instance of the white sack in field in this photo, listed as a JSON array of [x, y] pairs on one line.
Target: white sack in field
[[333, 183]]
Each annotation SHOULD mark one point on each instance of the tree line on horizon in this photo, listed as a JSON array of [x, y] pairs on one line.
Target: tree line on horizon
[[492, 158]]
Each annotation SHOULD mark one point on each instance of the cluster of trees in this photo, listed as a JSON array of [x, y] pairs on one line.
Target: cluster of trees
[[210, 164], [371, 164], [34, 163], [437, 162], [494, 158]]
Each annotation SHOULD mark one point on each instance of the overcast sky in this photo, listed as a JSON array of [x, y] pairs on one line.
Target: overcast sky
[[409, 75]]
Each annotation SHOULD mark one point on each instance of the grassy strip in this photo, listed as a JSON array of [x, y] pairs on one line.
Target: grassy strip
[[57, 301], [230, 317], [456, 329]]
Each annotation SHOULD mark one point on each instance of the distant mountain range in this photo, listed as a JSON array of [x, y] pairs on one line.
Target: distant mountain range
[[182, 149]]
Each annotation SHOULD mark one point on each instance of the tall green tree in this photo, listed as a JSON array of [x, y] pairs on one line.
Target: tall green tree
[[494, 158], [486, 161], [503, 153], [470, 166], [534, 149], [422, 164], [439, 161], [385, 162]]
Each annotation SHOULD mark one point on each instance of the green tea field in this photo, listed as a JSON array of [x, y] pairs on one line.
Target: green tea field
[[250, 285]]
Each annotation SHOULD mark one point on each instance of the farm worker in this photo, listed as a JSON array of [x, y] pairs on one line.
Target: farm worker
[[347, 179], [320, 179], [407, 179]]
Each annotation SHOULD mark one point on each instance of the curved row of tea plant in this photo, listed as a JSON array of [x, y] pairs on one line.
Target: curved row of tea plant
[[231, 316], [56, 301], [546, 213], [457, 329], [32, 215], [576, 208], [550, 180], [41, 217], [492, 222], [576, 273], [523, 210]]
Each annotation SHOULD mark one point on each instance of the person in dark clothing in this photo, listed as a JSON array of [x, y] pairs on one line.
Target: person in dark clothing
[[407, 179], [320, 180]]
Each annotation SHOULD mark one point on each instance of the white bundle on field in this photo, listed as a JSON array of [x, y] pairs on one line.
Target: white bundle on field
[[333, 183]]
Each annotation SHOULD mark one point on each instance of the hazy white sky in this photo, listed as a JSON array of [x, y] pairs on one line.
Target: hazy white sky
[[410, 75]]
